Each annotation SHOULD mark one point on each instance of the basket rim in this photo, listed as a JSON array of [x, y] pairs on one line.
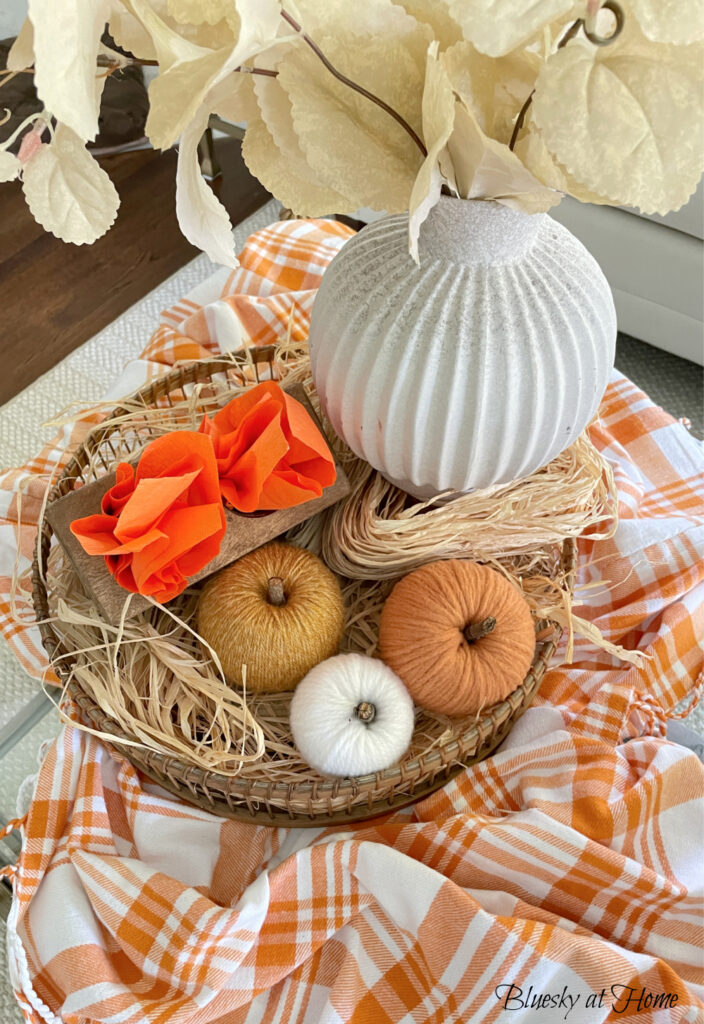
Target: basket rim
[[182, 778], [261, 790]]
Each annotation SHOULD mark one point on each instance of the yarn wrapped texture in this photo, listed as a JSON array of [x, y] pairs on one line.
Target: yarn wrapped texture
[[277, 644], [168, 708], [421, 636], [328, 731]]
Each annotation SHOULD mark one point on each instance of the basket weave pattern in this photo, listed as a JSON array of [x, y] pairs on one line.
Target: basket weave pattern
[[259, 797]]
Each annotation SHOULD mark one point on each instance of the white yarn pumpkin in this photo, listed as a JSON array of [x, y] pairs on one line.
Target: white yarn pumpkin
[[332, 724]]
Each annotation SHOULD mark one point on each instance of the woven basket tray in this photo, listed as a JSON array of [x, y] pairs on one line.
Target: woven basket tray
[[259, 799]]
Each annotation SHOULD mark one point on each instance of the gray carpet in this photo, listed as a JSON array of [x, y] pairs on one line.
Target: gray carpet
[[673, 383]]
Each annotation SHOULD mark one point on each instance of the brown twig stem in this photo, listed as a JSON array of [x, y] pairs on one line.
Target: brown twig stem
[[365, 712], [571, 32], [7, 76], [354, 85], [520, 119], [474, 631], [257, 71], [275, 593], [105, 60]]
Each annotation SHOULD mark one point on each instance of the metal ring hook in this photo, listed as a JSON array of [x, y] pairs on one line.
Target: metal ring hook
[[617, 11]]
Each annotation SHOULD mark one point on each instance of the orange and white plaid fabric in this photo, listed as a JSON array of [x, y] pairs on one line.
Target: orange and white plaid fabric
[[560, 879]]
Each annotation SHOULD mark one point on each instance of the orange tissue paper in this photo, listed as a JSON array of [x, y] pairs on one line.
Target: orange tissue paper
[[270, 453], [164, 522]]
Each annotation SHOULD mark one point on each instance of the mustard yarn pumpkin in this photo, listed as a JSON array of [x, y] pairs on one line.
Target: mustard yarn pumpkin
[[458, 634], [278, 610]]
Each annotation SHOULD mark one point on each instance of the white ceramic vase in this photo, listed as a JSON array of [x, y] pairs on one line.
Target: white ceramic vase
[[475, 368]]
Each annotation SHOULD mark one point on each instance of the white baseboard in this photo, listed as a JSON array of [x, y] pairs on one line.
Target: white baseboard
[[660, 326], [656, 274]]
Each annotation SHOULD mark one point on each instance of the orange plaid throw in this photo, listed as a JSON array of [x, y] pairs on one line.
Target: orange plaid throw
[[561, 879]]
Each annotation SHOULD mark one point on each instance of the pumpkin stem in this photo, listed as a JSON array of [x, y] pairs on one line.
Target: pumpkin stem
[[275, 593], [474, 631], [365, 711]]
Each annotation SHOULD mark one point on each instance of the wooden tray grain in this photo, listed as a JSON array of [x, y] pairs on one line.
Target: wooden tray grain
[[244, 532]]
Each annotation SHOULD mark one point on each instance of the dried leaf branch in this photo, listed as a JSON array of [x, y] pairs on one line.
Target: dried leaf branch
[[354, 85], [616, 122], [571, 32]]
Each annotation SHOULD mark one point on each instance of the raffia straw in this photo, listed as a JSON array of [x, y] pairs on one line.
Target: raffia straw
[[379, 533], [152, 677], [167, 695], [164, 689]]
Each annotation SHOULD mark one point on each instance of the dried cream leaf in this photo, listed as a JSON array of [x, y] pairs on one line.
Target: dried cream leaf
[[67, 190], [233, 99], [274, 106], [10, 166], [494, 88], [290, 180], [435, 14], [340, 18], [536, 156], [498, 26], [66, 39], [626, 120], [170, 46], [670, 21], [486, 169], [21, 53], [195, 12], [350, 143], [176, 42], [257, 23], [176, 95], [381, 23], [201, 216], [438, 121], [289, 177], [212, 36], [129, 32]]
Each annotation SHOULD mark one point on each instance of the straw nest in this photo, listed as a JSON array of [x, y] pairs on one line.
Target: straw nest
[[157, 688]]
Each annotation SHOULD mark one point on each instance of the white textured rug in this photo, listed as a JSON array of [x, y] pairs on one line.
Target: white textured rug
[[82, 376]]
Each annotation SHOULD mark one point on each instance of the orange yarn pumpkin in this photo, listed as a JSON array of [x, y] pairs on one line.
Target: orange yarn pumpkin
[[458, 634]]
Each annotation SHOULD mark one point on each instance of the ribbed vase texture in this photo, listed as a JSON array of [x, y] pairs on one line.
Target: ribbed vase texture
[[475, 368]]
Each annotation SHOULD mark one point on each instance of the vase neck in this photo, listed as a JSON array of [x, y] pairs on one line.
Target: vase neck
[[476, 231]]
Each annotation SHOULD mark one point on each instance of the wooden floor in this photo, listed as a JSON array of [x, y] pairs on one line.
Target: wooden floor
[[55, 296]]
